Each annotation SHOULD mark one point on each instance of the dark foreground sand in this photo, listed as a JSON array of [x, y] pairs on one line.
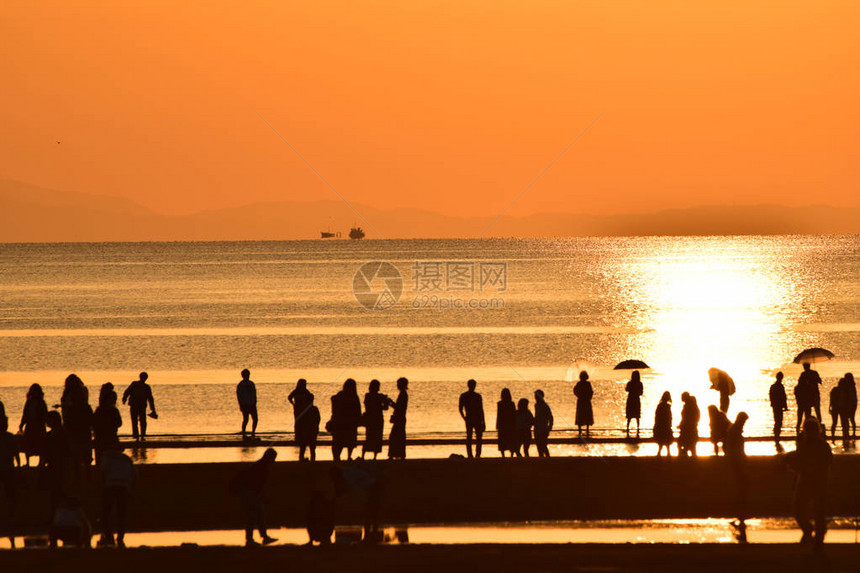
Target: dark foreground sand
[[195, 497], [436, 559]]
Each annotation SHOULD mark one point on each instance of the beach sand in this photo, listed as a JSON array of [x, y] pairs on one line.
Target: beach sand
[[188, 497], [432, 559]]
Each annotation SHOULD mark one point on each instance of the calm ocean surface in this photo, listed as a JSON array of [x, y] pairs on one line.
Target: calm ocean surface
[[194, 314]]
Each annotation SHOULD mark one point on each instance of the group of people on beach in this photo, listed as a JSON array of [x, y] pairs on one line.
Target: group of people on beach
[[66, 440], [346, 418]]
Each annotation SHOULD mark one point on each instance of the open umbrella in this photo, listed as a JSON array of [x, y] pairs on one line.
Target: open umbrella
[[631, 365], [720, 379], [813, 355]]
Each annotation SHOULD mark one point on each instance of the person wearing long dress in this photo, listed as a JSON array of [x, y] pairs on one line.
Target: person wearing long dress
[[688, 428], [345, 417], [77, 422], [301, 399], [663, 433], [506, 423], [543, 424], [106, 422], [375, 403], [34, 424], [584, 413], [633, 409], [397, 438]]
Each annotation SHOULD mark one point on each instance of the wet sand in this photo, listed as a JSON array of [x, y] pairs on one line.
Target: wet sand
[[431, 559], [179, 497]]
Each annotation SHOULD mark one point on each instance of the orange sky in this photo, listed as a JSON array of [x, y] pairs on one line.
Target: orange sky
[[448, 106]]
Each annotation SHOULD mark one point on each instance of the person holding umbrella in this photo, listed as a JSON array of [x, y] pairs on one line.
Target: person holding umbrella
[[723, 383], [810, 381], [633, 408]]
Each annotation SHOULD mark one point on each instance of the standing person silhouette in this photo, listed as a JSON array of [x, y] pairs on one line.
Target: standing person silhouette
[[397, 438], [138, 395], [300, 397], [848, 392], [778, 405], [345, 417], [688, 428], [77, 421], [633, 408], [719, 424], [584, 412], [307, 429], [106, 422], [472, 411], [524, 422], [543, 424], [813, 381], [9, 459], [248, 487], [834, 409], [736, 454], [506, 412], [375, 403], [118, 473], [246, 395], [34, 423], [811, 461], [663, 433]]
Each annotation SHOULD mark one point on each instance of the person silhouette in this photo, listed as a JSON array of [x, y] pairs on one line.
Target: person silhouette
[[778, 405], [506, 429], [397, 437], [375, 403], [524, 422], [248, 487], [106, 422], [34, 423], [345, 418], [834, 409], [77, 422], [320, 520], [849, 389], [299, 397], [9, 459], [307, 428], [848, 404], [719, 424], [811, 462], [138, 395], [246, 395], [543, 424], [688, 428], [663, 433], [366, 486], [118, 473], [584, 413], [736, 454], [70, 524], [472, 411], [633, 408], [813, 383], [57, 458]]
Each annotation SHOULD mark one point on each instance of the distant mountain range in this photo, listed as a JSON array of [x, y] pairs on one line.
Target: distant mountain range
[[33, 214]]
